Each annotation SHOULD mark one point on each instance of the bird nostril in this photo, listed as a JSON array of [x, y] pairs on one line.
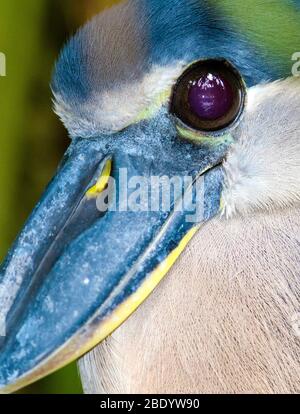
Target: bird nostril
[[102, 181]]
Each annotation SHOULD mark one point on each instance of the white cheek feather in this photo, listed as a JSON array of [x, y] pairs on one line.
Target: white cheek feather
[[262, 170]]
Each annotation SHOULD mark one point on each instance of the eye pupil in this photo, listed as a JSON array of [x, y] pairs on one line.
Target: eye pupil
[[211, 96]]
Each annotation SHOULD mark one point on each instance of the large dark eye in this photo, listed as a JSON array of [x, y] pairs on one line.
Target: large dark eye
[[209, 96]]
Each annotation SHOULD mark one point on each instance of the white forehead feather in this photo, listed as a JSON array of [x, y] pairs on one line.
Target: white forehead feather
[[262, 170], [114, 109]]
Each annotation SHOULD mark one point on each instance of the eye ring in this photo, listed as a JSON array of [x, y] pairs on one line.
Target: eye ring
[[209, 97]]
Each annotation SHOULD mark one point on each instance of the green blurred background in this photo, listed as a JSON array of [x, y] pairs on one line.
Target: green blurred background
[[32, 140]]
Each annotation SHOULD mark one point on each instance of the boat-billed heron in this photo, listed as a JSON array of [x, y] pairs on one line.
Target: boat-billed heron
[[203, 96]]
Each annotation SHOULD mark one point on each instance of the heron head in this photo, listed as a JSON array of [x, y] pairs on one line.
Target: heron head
[[174, 117]]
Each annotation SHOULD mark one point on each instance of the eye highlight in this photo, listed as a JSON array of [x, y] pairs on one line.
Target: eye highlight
[[209, 96]]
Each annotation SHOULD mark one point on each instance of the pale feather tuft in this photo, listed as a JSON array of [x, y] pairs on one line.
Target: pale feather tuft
[[262, 169]]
